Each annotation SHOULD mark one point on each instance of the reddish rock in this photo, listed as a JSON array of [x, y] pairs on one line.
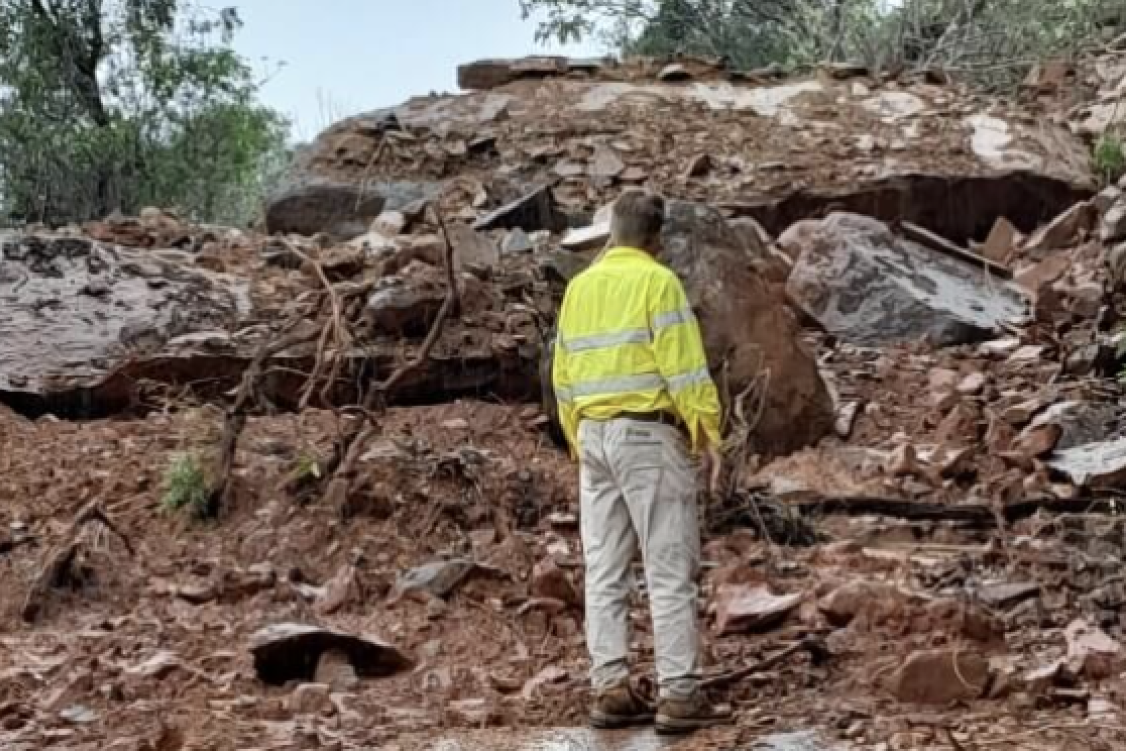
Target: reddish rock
[[940, 677], [860, 597], [549, 582], [741, 608], [310, 699]]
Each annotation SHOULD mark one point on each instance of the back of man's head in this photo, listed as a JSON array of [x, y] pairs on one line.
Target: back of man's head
[[637, 220]]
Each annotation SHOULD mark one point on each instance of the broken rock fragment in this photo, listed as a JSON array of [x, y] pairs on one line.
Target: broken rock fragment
[[532, 212], [1092, 653], [1093, 465], [291, 652], [311, 204], [401, 310], [549, 582], [1066, 230], [310, 699], [1005, 595], [871, 287], [860, 597], [741, 608], [439, 578]]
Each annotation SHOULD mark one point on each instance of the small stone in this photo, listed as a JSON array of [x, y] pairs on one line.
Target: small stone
[[606, 163], [1006, 595], [700, 166], [1001, 241], [999, 347], [436, 608], [971, 384], [335, 670], [310, 699], [472, 248], [79, 714], [1037, 441], [943, 384], [587, 238], [475, 713], [1107, 198], [438, 578], [551, 582], [389, 224], [456, 424], [1113, 227], [1028, 353], [516, 242]]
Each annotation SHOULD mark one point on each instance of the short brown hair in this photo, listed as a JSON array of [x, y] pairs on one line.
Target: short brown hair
[[637, 219]]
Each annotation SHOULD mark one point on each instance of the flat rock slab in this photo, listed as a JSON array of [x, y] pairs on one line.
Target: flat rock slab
[[871, 287], [291, 651], [72, 310], [1094, 465], [580, 739]]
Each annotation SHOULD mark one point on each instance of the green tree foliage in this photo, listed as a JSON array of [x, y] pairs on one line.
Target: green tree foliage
[[989, 42], [112, 105]]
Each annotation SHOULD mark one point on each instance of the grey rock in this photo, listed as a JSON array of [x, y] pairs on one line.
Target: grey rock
[[309, 204], [1113, 226], [1082, 422], [871, 287], [587, 238], [1007, 594], [143, 302], [472, 249], [1094, 465], [400, 310], [517, 242], [560, 266], [532, 212], [439, 578]]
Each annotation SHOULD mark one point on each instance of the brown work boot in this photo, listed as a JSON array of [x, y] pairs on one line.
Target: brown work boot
[[620, 707], [678, 716]]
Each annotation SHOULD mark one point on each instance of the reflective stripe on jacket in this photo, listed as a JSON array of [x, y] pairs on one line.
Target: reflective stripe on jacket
[[628, 341]]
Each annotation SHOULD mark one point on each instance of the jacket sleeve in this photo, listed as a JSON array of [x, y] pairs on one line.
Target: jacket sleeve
[[682, 361], [562, 384]]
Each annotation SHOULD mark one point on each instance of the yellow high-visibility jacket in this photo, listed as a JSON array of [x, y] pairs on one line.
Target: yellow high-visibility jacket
[[627, 341]]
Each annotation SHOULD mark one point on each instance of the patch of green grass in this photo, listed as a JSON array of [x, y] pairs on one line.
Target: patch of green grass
[[308, 467], [1110, 158], [185, 487]]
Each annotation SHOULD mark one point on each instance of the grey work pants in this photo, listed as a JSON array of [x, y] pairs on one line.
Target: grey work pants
[[639, 488]]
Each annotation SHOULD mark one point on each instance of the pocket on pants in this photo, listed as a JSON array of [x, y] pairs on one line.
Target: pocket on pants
[[642, 446]]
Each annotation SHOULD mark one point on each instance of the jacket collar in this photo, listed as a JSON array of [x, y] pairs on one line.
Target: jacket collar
[[624, 251]]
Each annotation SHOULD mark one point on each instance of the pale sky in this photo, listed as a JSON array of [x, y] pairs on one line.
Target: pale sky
[[347, 56]]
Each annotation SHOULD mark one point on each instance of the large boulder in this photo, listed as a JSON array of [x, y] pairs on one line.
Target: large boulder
[[73, 311], [869, 286], [309, 203], [748, 331]]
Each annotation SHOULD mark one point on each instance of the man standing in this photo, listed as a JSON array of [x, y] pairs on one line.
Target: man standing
[[635, 395]]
